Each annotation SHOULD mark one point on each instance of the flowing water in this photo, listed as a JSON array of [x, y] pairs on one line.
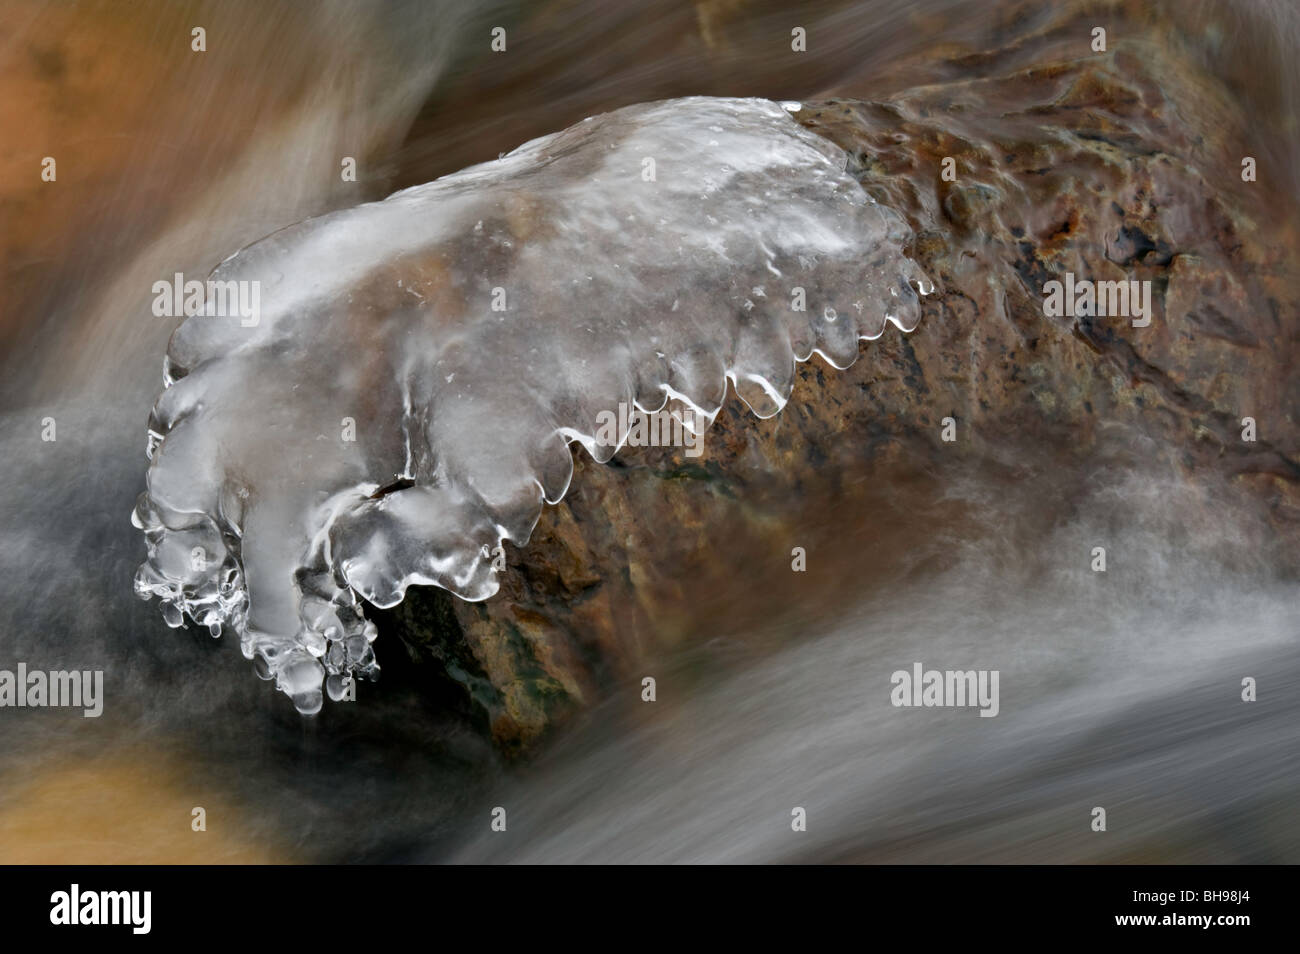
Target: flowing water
[[170, 160]]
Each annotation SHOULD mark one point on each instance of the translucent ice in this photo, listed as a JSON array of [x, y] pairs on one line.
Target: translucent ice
[[406, 397]]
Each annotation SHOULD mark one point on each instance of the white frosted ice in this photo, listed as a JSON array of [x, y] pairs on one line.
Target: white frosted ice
[[463, 333]]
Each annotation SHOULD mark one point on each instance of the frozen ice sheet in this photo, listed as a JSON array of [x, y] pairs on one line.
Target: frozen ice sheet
[[405, 397]]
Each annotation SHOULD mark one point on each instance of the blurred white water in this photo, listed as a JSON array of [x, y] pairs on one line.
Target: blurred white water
[[1120, 690]]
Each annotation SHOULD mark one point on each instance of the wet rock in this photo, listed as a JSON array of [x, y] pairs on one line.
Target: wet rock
[[1092, 164]]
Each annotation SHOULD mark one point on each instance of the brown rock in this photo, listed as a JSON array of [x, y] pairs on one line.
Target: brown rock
[[1094, 165]]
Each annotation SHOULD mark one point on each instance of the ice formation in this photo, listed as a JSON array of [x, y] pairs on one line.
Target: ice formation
[[405, 400]]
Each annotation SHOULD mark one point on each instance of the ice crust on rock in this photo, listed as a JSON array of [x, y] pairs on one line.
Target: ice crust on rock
[[644, 256]]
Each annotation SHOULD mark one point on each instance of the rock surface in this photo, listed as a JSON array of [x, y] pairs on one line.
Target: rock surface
[[1123, 165]]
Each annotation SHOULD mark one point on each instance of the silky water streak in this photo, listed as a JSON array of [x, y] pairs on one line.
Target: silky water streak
[[407, 400]]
